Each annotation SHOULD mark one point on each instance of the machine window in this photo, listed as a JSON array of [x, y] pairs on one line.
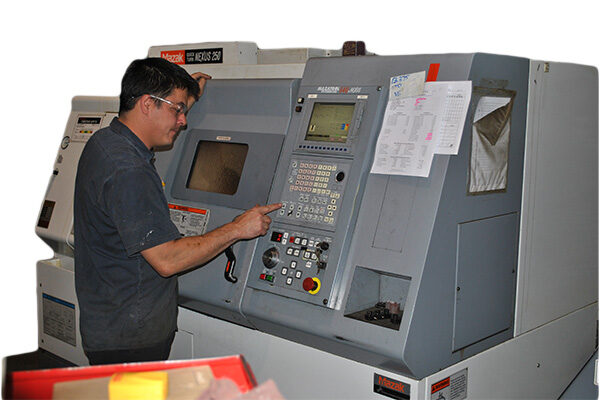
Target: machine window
[[330, 122], [217, 167]]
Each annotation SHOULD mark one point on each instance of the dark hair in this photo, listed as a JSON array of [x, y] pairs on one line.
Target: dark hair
[[155, 76]]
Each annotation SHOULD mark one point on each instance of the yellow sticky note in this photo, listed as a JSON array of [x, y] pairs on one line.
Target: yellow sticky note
[[151, 385]]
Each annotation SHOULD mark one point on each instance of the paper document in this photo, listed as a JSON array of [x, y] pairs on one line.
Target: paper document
[[490, 144], [456, 105], [488, 104], [407, 85], [414, 128]]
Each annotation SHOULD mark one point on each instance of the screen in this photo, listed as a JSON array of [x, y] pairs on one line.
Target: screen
[[330, 122], [217, 167]]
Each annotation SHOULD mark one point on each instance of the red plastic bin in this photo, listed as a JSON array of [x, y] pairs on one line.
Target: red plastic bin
[[38, 384]]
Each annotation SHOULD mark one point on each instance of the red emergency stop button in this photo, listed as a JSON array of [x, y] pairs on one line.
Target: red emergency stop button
[[311, 285]]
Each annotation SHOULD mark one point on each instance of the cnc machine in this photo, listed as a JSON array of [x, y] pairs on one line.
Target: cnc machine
[[368, 284]]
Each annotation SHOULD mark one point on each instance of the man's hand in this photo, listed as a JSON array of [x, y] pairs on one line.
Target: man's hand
[[255, 221], [181, 254], [201, 78]]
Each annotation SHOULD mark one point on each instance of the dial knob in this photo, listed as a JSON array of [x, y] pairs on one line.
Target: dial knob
[[270, 257], [323, 246]]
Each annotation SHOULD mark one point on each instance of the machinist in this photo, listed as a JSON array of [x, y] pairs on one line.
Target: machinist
[[127, 251]]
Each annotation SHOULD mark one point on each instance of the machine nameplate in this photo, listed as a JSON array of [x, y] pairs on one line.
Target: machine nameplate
[[390, 387], [194, 56]]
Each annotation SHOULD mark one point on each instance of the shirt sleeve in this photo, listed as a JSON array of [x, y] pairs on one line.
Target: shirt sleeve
[[135, 201]]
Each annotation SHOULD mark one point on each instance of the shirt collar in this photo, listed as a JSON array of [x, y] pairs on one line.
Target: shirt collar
[[122, 129]]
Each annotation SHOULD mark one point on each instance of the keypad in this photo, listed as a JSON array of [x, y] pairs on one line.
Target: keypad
[[299, 254], [312, 192]]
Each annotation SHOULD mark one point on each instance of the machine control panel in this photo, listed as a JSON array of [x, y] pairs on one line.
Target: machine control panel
[[294, 257], [318, 182], [313, 192]]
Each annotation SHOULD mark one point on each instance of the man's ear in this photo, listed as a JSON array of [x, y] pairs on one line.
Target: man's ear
[[190, 102], [145, 104]]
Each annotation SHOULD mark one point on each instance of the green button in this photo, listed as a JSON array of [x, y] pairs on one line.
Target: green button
[[270, 278]]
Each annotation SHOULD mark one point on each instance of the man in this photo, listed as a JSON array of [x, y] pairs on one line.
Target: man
[[127, 250]]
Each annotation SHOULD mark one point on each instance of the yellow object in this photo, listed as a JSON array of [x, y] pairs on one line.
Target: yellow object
[[316, 290], [150, 385]]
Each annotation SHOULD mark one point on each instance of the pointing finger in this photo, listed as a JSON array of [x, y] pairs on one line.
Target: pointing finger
[[269, 208]]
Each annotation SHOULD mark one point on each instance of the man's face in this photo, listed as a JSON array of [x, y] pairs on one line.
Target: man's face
[[168, 119]]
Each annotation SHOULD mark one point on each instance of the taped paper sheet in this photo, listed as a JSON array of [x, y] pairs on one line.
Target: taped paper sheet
[[407, 85], [416, 127], [489, 144]]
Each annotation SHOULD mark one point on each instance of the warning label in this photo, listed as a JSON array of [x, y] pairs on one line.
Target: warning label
[[189, 221], [453, 387], [59, 319]]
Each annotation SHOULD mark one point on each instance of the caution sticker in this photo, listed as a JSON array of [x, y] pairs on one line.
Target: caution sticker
[[453, 387], [188, 220]]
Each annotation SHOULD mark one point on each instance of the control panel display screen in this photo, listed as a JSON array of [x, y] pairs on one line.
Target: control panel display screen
[[330, 122], [217, 167]]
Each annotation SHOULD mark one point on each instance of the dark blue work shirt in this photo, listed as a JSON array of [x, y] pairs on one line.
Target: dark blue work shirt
[[120, 209]]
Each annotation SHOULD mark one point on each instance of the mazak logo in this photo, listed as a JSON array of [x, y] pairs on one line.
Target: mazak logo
[[390, 387], [175, 56]]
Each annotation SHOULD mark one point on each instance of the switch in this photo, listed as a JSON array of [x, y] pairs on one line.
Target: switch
[[323, 246]]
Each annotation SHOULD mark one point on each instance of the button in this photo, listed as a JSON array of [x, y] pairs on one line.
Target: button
[[298, 274], [263, 276], [284, 271], [289, 251], [309, 284], [270, 278], [296, 252], [293, 264], [304, 241], [289, 281], [308, 264]]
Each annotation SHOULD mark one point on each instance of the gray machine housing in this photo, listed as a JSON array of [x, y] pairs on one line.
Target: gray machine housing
[[448, 258], [252, 112]]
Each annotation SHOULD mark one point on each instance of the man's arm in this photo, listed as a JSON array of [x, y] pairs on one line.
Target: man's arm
[[182, 254]]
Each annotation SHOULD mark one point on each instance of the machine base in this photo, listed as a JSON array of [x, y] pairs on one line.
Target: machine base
[[537, 364]]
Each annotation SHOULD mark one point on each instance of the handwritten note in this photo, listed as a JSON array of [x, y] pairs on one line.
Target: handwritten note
[[407, 85]]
